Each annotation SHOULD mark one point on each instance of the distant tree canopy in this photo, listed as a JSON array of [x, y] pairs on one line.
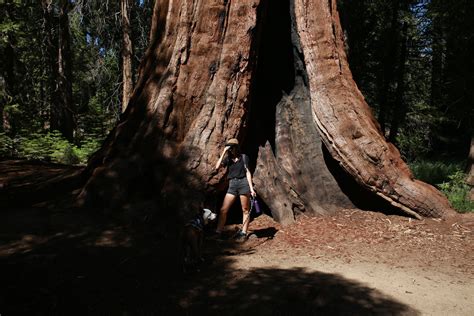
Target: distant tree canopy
[[32, 35], [411, 59], [61, 73]]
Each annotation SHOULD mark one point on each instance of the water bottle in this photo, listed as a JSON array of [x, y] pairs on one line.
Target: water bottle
[[256, 206]]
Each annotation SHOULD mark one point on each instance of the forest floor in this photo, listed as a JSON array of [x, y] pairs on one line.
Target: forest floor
[[64, 261]]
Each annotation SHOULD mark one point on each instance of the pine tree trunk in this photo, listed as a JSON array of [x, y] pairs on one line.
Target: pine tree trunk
[[200, 84], [10, 85], [437, 61], [127, 85], [62, 108], [10, 80], [400, 109], [389, 54], [49, 53]]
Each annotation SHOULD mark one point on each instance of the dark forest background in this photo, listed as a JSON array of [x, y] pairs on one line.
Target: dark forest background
[[61, 78]]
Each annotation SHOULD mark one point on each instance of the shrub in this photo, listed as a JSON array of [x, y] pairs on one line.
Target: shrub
[[414, 138], [6, 146], [89, 145], [449, 178], [457, 192], [434, 172], [51, 146]]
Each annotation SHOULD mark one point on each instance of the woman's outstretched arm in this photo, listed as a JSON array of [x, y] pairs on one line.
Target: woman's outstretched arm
[[219, 162]]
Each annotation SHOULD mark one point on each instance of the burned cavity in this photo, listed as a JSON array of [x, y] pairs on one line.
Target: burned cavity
[[280, 74]]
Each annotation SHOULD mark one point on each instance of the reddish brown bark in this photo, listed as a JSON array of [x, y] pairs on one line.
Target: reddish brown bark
[[195, 90], [345, 121], [192, 95]]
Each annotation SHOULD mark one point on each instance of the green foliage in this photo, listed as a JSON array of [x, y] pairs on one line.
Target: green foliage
[[449, 178], [457, 192], [434, 172], [88, 146], [51, 146], [416, 137], [7, 27], [48, 147], [6, 146], [413, 143], [28, 35]]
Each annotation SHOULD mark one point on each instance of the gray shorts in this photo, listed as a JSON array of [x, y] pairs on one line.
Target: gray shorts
[[239, 186]]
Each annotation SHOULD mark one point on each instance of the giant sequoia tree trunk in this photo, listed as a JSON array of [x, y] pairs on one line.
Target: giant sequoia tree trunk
[[270, 73]]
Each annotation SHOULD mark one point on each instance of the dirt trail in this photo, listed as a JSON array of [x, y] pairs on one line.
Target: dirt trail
[[427, 265], [427, 291]]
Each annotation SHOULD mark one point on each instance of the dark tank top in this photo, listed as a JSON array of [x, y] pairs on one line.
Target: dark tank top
[[236, 169]]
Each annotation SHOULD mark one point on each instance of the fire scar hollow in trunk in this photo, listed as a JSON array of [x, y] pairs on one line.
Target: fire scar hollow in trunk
[[272, 74]]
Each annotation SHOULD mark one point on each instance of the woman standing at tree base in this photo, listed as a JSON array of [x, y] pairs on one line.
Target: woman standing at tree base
[[240, 184]]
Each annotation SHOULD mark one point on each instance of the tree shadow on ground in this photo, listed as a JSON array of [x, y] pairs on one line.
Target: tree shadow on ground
[[67, 262], [73, 262], [77, 261], [28, 182], [272, 291]]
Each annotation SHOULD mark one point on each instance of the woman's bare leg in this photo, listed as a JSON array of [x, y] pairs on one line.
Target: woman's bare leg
[[228, 200], [245, 201]]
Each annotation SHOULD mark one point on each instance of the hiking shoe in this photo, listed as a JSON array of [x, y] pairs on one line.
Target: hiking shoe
[[240, 236]]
